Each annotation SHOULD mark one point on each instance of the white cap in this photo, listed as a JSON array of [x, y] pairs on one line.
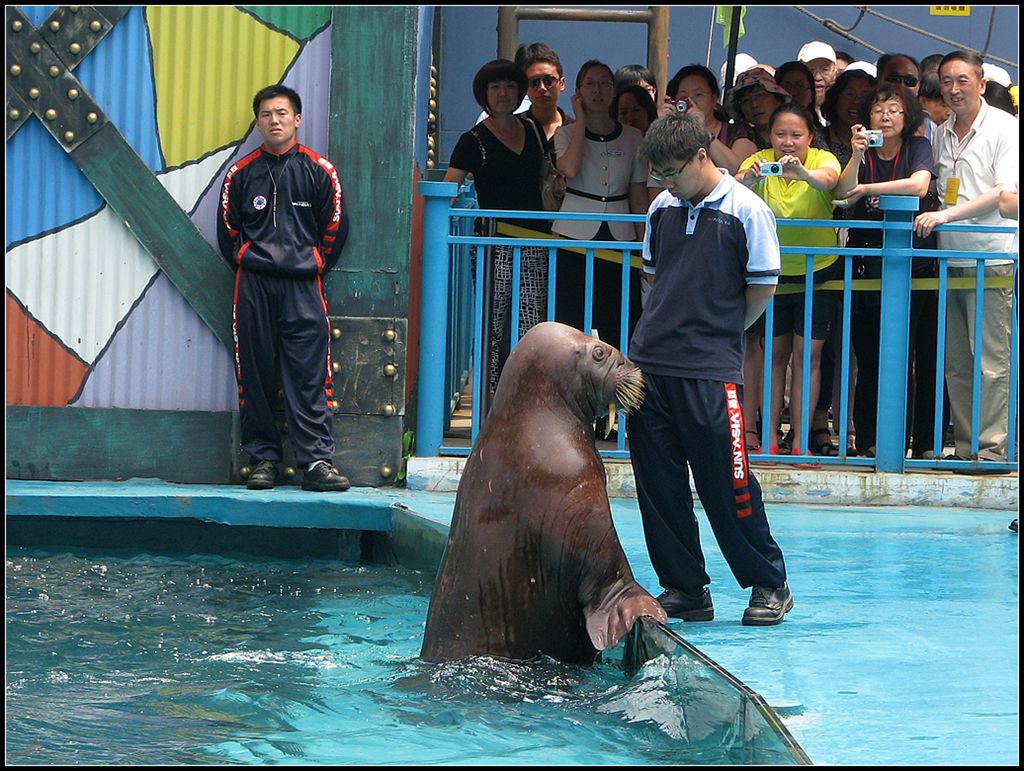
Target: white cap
[[997, 74], [816, 50], [743, 63], [867, 67]]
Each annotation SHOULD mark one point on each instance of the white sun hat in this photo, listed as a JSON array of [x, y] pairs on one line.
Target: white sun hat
[[997, 74], [743, 63]]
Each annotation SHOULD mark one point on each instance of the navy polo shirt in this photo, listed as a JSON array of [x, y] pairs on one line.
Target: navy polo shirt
[[703, 257]]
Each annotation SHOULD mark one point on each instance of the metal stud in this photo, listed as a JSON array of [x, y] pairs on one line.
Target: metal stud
[[390, 370], [245, 471], [75, 48], [73, 94], [92, 117], [33, 93], [335, 367], [35, 48], [16, 25], [386, 471], [73, 8], [389, 409], [69, 136], [289, 472], [14, 114], [390, 335], [335, 333], [54, 71], [55, 25], [15, 70], [95, 26], [50, 114]]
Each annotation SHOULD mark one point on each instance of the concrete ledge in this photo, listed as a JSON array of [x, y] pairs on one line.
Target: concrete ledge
[[835, 485]]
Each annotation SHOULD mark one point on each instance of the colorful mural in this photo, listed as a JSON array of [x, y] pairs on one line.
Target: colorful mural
[[91, 319]]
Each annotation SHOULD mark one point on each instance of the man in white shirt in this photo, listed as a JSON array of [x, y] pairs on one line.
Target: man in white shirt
[[976, 156]]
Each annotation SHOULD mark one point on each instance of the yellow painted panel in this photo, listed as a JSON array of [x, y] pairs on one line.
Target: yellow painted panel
[[208, 62], [949, 10]]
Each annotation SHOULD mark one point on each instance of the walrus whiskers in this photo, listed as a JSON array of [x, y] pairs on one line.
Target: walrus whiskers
[[629, 391]]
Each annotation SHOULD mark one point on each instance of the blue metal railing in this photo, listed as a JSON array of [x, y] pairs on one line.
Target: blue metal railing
[[451, 343]]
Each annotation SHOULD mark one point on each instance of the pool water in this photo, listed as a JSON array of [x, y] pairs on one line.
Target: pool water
[[144, 659]]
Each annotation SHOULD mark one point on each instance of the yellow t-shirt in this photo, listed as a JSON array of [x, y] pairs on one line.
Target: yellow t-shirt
[[797, 200]]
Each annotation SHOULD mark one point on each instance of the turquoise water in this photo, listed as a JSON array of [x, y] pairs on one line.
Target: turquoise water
[[199, 660]]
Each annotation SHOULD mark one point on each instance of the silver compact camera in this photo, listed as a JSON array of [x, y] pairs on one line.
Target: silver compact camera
[[771, 169], [874, 137]]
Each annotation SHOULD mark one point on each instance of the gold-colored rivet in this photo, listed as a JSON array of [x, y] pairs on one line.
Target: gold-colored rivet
[[33, 93], [15, 70], [390, 370], [95, 26], [386, 471], [14, 114], [92, 117], [390, 335], [35, 48], [335, 367], [75, 48], [50, 114], [73, 94], [335, 405], [54, 71], [16, 26], [69, 136], [55, 25], [335, 333], [289, 472], [73, 8], [245, 471], [389, 409]]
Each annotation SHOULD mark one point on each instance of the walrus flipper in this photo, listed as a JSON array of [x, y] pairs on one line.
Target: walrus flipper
[[617, 610]]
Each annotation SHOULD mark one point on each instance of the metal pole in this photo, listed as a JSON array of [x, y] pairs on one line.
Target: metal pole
[[432, 400], [893, 343], [734, 41]]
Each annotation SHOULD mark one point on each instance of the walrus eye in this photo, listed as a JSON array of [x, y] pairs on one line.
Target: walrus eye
[[599, 352]]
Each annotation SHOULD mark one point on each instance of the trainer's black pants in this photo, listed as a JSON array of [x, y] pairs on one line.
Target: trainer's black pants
[[281, 321], [700, 423]]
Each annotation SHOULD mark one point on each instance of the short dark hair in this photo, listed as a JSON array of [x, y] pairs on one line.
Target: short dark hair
[[493, 71], [913, 113], [998, 95], [848, 58], [930, 88], [530, 53], [931, 60], [792, 108], [271, 92], [884, 59], [590, 63], [674, 137], [963, 55], [643, 98], [632, 74], [692, 69], [828, 106]]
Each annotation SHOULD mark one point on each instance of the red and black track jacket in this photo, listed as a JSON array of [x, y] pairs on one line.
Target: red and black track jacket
[[282, 213]]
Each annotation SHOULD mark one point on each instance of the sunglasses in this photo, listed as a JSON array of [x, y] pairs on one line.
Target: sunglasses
[[908, 80], [547, 80]]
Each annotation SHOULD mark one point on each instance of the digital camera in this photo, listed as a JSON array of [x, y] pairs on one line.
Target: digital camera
[[874, 137], [771, 169], [682, 105]]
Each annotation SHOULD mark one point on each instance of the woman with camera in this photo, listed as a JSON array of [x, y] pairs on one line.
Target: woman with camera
[[796, 181], [888, 158]]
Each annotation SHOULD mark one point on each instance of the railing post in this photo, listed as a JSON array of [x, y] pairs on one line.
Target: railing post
[[432, 400], [894, 338]]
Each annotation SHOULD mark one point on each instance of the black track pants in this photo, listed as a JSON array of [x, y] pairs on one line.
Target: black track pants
[[281, 320], [700, 423]]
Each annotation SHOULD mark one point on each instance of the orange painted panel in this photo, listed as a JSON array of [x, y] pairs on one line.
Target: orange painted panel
[[40, 372]]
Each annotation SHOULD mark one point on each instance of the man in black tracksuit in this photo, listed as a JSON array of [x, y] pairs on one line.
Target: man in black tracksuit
[[281, 227]]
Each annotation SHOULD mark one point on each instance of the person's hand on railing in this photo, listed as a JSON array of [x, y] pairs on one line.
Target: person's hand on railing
[[928, 221]]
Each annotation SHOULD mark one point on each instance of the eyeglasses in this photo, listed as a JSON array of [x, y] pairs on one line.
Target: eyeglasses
[[671, 174], [908, 80], [880, 112], [547, 80]]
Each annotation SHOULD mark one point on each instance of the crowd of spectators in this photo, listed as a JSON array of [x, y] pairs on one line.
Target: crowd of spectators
[[843, 132]]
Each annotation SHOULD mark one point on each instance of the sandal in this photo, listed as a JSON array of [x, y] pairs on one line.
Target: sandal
[[785, 445], [755, 445], [823, 446]]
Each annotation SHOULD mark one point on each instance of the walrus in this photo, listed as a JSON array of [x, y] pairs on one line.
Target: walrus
[[533, 564]]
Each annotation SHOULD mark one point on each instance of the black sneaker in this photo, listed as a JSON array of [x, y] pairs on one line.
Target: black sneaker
[[679, 604], [767, 606], [263, 475], [323, 477]]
